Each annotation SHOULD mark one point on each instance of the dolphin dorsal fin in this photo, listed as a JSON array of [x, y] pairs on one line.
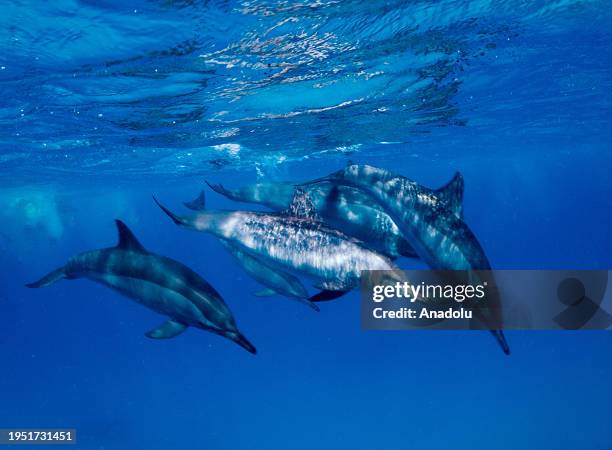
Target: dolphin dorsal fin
[[127, 240], [197, 204], [302, 206], [452, 194]]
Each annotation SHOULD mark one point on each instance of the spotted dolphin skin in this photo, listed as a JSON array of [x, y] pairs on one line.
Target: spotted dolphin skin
[[433, 228], [293, 244], [157, 282]]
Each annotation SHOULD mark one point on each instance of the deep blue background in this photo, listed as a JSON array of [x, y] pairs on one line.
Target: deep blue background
[[87, 136]]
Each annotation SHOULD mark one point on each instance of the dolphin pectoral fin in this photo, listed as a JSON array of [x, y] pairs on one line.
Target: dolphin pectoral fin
[[452, 194], [197, 204], [166, 330], [267, 292], [48, 279], [325, 296]]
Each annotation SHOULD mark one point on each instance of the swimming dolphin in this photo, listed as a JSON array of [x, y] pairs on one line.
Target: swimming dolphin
[[277, 281], [433, 228], [157, 282], [292, 243]]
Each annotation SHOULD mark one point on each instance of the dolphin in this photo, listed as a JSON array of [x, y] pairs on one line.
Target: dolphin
[[157, 282], [433, 228], [276, 281], [293, 243]]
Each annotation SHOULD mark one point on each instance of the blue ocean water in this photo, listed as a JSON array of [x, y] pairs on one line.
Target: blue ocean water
[[105, 103]]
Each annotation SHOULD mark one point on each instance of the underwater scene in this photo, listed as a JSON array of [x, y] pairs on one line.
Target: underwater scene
[[190, 191]]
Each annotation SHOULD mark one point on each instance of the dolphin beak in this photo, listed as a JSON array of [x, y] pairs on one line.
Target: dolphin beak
[[239, 339]]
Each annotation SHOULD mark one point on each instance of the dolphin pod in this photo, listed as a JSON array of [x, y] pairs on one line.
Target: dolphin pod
[[325, 231], [157, 282], [434, 230]]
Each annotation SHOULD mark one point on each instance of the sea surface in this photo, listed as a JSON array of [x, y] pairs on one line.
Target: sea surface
[[104, 103]]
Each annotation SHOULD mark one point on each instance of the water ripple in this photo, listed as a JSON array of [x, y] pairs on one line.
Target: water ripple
[[158, 87]]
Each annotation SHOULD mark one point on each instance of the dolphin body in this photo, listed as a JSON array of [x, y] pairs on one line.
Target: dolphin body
[[434, 230], [340, 207], [276, 281], [157, 282], [294, 243]]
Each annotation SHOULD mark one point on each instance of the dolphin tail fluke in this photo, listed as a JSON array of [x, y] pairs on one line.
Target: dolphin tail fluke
[[501, 339], [176, 219], [239, 339], [48, 279]]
